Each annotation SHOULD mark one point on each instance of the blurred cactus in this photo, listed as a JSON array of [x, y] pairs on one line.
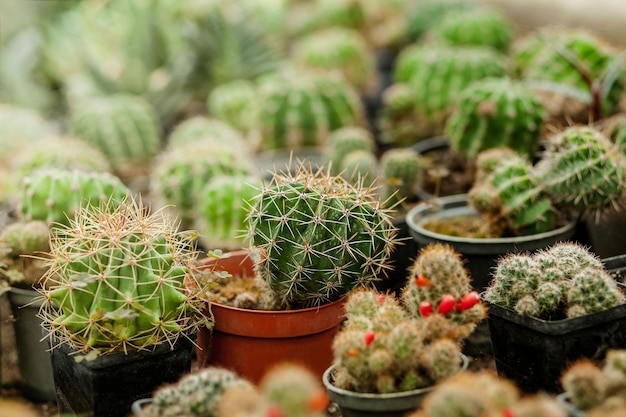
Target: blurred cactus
[[345, 140], [22, 250], [200, 128], [235, 103], [425, 15], [399, 170]]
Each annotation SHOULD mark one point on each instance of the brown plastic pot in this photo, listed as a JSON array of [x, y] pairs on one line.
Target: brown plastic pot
[[250, 342]]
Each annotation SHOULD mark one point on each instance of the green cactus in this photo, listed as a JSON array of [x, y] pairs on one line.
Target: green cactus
[[223, 205], [582, 169], [314, 236], [199, 128], [196, 394], [399, 170], [235, 103], [496, 112], [54, 195], [565, 280], [120, 277], [124, 127], [301, 110], [360, 166], [19, 125], [22, 248], [345, 140], [425, 15]]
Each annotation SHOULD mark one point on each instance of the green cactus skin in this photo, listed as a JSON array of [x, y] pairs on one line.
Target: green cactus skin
[[338, 49], [235, 103], [360, 166], [477, 26], [345, 140], [183, 171], [565, 280], [200, 128], [582, 169], [496, 112], [120, 278], [399, 171], [425, 15], [299, 111], [124, 127], [196, 394], [53, 195], [223, 206], [570, 58], [19, 125], [315, 237], [22, 249]]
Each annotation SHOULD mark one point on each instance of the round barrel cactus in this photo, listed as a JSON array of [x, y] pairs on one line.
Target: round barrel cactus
[[235, 103], [399, 170], [199, 128], [346, 140], [314, 237], [120, 278]]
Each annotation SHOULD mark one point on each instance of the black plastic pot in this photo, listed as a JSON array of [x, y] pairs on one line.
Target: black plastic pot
[[108, 385], [534, 353]]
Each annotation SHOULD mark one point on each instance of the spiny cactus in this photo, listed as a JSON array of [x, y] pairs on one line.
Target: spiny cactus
[[124, 127], [496, 112], [563, 281], [582, 169], [315, 236], [199, 128], [345, 140], [360, 166], [197, 394], [301, 110], [119, 278], [54, 195], [425, 15], [19, 125], [235, 103], [22, 248], [399, 170]]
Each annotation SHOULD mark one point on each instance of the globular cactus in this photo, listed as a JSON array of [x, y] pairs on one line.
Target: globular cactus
[[425, 15], [124, 127], [22, 249], [200, 128], [581, 169], [562, 281], [223, 205], [496, 112], [341, 50], [19, 125], [345, 140], [54, 195], [399, 174], [121, 277], [197, 394], [300, 110], [235, 103], [360, 166], [315, 236]]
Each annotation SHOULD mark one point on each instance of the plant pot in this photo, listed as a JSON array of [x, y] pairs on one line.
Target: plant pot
[[108, 385], [606, 232], [33, 358], [360, 404], [534, 352], [250, 342]]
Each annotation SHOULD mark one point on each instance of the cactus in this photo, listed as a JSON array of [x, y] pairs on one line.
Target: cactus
[[22, 245], [496, 112], [315, 236], [119, 278], [345, 140], [200, 128], [338, 49], [301, 110], [54, 195], [124, 127], [427, 14], [582, 169], [399, 170], [360, 166], [563, 281], [197, 394], [223, 205], [235, 103]]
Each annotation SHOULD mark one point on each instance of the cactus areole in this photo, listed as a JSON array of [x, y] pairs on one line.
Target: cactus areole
[[314, 237]]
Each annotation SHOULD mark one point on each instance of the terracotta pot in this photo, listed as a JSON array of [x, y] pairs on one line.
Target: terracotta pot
[[250, 342]]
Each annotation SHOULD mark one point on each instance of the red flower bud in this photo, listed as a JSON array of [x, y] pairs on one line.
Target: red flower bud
[[446, 304], [369, 337], [426, 308], [422, 281], [381, 298], [468, 301]]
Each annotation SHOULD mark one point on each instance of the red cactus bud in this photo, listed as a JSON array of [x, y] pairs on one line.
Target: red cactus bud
[[274, 411], [353, 352], [468, 301], [369, 337], [381, 298], [507, 413], [318, 402], [446, 304], [422, 281], [426, 308]]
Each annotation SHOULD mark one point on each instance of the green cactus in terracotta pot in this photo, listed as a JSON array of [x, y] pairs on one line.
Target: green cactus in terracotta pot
[[314, 236], [120, 277]]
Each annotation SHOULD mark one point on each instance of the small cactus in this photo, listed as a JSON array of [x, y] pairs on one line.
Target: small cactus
[[399, 170], [200, 128], [235, 103], [345, 140], [22, 249]]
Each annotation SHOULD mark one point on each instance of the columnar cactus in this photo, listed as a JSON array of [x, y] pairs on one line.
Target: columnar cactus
[[235, 103], [345, 140], [562, 281], [54, 195], [301, 110], [399, 170], [315, 237], [496, 112], [121, 277], [124, 127]]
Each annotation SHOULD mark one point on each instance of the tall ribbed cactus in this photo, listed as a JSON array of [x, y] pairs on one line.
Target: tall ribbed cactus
[[54, 195], [314, 236], [121, 277], [301, 110], [496, 112], [124, 127]]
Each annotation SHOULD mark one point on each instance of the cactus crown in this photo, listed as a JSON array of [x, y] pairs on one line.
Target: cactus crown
[[120, 277], [315, 236]]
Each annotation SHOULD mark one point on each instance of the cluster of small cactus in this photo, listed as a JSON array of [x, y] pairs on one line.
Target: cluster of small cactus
[[597, 389], [482, 393], [565, 280], [389, 345], [121, 277], [315, 236], [496, 112]]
